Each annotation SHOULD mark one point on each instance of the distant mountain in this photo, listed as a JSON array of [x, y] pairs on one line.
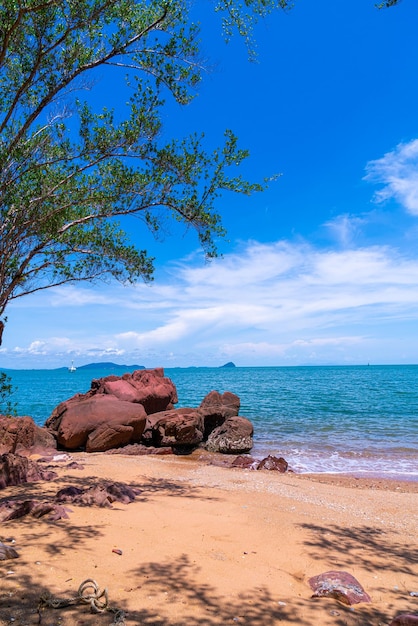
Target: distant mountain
[[93, 366], [230, 364]]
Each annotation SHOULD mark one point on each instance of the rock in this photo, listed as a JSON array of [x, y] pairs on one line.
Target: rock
[[274, 463], [15, 470], [226, 401], [138, 409], [68, 494], [108, 436], [54, 511], [21, 434], [15, 509], [74, 465], [103, 494], [268, 463], [7, 552], [97, 423], [139, 449], [113, 412], [150, 388], [235, 436], [339, 585], [405, 619], [246, 462], [229, 364], [178, 427], [215, 408]]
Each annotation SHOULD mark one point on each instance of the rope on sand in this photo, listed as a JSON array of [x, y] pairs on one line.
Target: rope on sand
[[88, 593]]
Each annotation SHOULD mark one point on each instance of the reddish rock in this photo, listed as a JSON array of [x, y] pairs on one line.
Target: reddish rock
[[15, 470], [74, 465], [339, 585], [215, 408], [7, 552], [139, 449], [405, 619], [278, 464], [102, 495], [108, 436], [15, 509], [235, 436], [150, 388], [21, 434], [96, 421], [178, 427], [245, 462], [54, 511], [113, 412], [226, 401]]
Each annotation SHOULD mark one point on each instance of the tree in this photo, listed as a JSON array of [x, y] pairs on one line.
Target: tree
[[387, 4], [7, 407], [70, 173]]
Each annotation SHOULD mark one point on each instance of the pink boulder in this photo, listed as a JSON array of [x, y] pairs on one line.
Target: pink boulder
[[178, 427], [108, 435], [215, 408], [16, 469], [150, 388], [103, 494], [21, 434], [405, 619], [339, 585], [245, 462], [274, 463], [97, 423]]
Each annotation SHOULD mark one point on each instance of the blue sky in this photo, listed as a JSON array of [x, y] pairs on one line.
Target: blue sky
[[322, 267]]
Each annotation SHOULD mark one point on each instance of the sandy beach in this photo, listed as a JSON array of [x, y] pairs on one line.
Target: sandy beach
[[205, 544]]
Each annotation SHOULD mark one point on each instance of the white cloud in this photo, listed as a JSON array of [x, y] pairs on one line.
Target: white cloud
[[264, 304], [345, 228], [398, 172]]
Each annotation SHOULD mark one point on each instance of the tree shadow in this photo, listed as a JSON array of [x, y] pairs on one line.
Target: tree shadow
[[146, 488], [175, 593], [24, 580], [178, 584], [362, 546]]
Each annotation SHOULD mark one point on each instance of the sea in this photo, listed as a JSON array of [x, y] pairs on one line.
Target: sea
[[357, 420]]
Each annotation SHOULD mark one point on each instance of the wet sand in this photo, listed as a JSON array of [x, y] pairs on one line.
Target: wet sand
[[206, 545]]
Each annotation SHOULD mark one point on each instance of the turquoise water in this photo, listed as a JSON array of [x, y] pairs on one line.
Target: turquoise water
[[361, 420]]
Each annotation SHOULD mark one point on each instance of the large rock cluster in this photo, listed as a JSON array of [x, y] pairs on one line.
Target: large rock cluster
[[138, 408]]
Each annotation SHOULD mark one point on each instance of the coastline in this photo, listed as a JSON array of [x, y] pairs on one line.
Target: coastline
[[351, 419], [205, 544]]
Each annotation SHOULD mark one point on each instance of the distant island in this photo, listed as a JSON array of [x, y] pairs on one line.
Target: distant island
[[107, 365], [127, 368]]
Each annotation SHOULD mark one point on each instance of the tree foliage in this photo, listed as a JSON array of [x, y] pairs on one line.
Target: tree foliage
[[70, 172], [387, 4], [7, 407]]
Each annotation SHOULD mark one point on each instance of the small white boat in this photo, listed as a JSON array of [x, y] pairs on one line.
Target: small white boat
[[72, 367]]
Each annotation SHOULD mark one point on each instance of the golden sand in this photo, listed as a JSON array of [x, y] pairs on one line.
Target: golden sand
[[204, 544]]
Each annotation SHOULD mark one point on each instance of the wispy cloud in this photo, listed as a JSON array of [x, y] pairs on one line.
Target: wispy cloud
[[345, 228], [265, 303], [398, 172]]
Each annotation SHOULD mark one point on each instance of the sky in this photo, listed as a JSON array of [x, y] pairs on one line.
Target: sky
[[320, 269]]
